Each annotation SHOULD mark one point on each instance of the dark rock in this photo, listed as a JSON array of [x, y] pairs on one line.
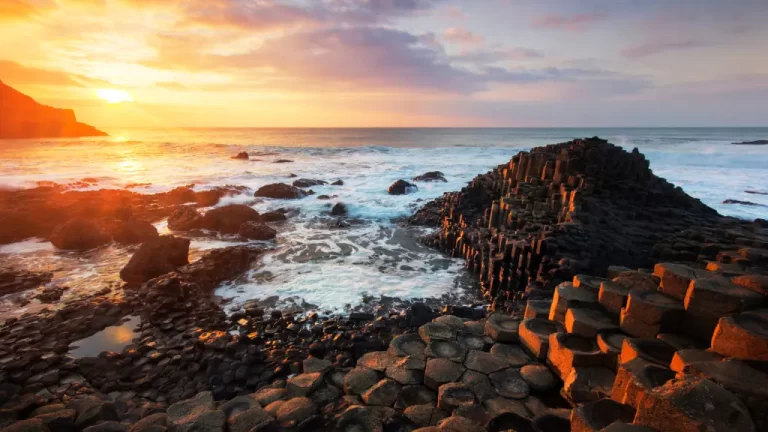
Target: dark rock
[[185, 218], [338, 183], [257, 231], [305, 183], [747, 203], [154, 258], [279, 161], [78, 234], [274, 216], [280, 191], [241, 155], [756, 142], [207, 198], [228, 219], [431, 176], [132, 232], [339, 209], [402, 187]]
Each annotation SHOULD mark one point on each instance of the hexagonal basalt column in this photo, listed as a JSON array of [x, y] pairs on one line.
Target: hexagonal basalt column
[[594, 416], [566, 296], [568, 350], [612, 296], [652, 350], [648, 313], [534, 335], [502, 328], [587, 322], [637, 377], [743, 336]]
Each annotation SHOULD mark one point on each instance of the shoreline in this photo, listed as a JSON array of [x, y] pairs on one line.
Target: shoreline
[[541, 232]]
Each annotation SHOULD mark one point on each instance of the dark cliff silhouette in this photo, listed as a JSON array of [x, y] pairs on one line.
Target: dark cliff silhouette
[[22, 117]]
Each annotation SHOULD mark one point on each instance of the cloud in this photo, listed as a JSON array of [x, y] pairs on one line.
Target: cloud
[[462, 36], [573, 23], [15, 73], [652, 48], [255, 16], [11, 10], [497, 55]]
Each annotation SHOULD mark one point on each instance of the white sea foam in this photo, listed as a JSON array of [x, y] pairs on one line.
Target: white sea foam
[[330, 267]]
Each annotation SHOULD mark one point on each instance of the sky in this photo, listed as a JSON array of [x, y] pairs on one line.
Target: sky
[[391, 63]]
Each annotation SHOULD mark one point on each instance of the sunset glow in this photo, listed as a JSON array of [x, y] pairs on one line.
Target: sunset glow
[[114, 96], [390, 63]]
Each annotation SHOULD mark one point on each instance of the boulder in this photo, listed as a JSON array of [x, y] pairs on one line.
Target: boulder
[[359, 379], [305, 183], [383, 393], [338, 183], [280, 191], [274, 216], [453, 395], [132, 232], [297, 409], [185, 218], [304, 384], [196, 414], [257, 231], [79, 235], [207, 198], [156, 257], [228, 219], [431, 176], [242, 156], [402, 187], [339, 209]]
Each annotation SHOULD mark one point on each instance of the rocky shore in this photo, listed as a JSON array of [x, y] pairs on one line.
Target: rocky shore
[[616, 302]]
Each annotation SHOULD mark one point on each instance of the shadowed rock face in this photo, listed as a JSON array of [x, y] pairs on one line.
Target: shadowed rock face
[[22, 117]]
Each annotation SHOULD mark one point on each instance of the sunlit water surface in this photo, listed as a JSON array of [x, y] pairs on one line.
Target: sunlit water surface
[[330, 267]]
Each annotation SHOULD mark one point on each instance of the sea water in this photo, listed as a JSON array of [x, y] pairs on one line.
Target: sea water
[[313, 261]]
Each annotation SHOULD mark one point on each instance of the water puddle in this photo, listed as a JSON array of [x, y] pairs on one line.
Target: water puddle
[[112, 339]]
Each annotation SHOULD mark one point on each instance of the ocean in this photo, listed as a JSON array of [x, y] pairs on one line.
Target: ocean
[[313, 262]]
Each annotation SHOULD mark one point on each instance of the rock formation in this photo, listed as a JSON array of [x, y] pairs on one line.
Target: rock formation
[[22, 117]]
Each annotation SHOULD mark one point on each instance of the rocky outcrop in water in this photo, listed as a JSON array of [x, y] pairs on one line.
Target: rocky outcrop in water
[[757, 142], [154, 258], [280, 191], [22, 117], [79, 234], [402, 187], [431, 176], [228, 219], [305, 183]]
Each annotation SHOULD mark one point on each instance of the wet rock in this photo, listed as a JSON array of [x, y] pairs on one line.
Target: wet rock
[[512, 354], [484, 362], [358, 418], [79, 235], [248, 420], [314, 364], [338, 183], [145, 424], [431, 176], [408, 371], [440, 371], [280, 191], [92, 410], [304, 384], [274, 216], [453, 395], [339, 209], [185, 218], [419, 314], [376, 360], [196, 414], [435, 331], [305, 183], [538, 377], [407, 345], [109, 426], [229, 219], [132, 232], [257, 231], [402, 187], [502, 328], [12, 280], [359, 379], [266, 395], [383, 393], [29, 425], [446, 349], [154, 258], [241, 155], [297, 409], [510, 384], [479, 384]]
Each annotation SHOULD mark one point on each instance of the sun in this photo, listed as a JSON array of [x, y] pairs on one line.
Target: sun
[[114, 96]]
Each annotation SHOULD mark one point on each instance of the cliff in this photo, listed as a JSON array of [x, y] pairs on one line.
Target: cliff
[[22, 117]]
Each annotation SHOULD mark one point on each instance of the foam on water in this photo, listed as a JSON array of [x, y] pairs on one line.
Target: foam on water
[[325, 265]]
